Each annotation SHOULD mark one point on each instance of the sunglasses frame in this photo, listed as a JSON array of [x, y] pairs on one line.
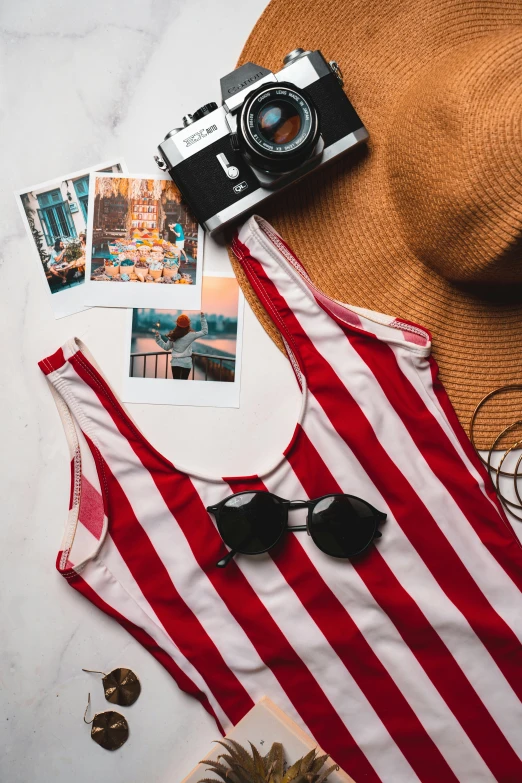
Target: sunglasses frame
[[289, 505]]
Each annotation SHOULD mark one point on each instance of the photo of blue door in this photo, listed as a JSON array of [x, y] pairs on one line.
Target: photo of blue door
[[81, 187], [55, 216]]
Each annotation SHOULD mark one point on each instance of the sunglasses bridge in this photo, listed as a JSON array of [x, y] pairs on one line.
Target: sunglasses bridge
[[291, 505]]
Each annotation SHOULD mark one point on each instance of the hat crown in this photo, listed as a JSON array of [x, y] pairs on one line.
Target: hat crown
[[455, 169]]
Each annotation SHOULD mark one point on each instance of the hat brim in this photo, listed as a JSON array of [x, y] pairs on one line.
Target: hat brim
[[341, 221]]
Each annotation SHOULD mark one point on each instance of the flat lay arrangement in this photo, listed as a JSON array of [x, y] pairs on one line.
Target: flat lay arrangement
[[349, 606]]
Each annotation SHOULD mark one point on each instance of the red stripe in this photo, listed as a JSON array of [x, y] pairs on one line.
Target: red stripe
[[52, 363], [184, 682], [489, 523], [347, 641], [353, 427], [424, 642], [269, 641]]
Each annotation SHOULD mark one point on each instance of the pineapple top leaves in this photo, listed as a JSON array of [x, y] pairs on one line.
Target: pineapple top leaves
[[241, 767]]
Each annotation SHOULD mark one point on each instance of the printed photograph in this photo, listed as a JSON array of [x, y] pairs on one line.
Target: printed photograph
[[181, 356], [144, 236], [56, 216]]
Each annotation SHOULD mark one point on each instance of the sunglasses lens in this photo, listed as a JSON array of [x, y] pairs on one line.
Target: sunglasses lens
[[251, 523], [342, 526]]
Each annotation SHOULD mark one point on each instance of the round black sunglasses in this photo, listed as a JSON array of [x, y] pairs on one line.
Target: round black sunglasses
[[251, 523]]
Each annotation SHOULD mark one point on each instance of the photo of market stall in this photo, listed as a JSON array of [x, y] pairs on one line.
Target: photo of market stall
[[142, 233]]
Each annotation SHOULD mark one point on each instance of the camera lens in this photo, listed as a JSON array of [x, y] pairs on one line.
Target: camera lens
[[278, 127], [279, 122]]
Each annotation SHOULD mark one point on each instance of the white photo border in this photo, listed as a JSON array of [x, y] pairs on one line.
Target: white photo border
[[168, 297], [167, 391], [71, 300]]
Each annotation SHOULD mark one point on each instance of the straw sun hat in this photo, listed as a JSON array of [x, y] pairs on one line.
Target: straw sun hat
[[426, 221]]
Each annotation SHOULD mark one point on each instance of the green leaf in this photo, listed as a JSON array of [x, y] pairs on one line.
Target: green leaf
[[219, 769], [319, 762], [229, 747], [237, 751], [326, 773], [259, 764], [301, 765], [275, 763]]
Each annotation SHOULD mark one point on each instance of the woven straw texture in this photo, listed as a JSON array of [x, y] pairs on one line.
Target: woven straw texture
[[425, 222]]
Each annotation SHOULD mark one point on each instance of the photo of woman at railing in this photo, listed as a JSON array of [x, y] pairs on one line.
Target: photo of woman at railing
[[179, 342], [214, 341]]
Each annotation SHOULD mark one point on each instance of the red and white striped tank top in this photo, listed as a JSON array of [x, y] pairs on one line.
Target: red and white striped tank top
[[405, 665]]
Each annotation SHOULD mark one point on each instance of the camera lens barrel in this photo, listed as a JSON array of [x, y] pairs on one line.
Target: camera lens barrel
[[278, 127]]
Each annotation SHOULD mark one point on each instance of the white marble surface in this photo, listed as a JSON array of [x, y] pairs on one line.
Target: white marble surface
[[81, 83]]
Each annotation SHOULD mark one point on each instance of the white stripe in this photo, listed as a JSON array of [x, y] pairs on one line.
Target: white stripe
[[413, 575], [110, 590], [382, 636], [190, 581], [84, 544]]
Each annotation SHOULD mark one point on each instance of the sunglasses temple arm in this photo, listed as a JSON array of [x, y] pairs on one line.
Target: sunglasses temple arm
[[226, 560], [381, 517]]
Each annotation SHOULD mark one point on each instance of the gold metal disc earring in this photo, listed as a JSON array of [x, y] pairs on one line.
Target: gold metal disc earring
[[109, 729], [121, 686]]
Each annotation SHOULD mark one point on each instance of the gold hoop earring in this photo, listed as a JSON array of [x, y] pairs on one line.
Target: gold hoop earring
[[121, 686], [109, 729]]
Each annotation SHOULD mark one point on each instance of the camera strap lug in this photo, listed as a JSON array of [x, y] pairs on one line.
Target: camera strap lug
[[336, 69]]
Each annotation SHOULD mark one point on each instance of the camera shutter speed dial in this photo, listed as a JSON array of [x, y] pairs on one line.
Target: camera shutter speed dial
[[204, 110]]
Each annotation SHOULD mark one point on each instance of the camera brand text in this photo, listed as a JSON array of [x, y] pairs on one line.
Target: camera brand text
[[199, 135], [239, 87]]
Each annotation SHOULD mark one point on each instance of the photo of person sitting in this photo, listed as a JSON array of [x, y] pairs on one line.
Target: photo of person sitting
[[56, 264], [176, 235], [179, 342]]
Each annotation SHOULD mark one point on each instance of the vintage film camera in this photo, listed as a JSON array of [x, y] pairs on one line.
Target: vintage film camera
[[272, 129]]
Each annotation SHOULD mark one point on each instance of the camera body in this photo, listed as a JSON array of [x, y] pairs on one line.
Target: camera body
[[271, 130]]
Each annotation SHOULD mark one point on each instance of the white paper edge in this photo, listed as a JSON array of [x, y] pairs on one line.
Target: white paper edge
[[140, 295], [167, 391], [70, 301]]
